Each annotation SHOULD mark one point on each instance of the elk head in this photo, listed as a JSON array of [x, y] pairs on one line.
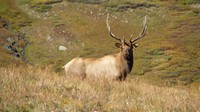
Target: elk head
[[127, 47]]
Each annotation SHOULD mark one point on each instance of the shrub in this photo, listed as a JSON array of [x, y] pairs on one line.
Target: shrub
[[186, 2]]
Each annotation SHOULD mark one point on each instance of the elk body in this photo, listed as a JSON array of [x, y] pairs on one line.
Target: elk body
[[115, 66]]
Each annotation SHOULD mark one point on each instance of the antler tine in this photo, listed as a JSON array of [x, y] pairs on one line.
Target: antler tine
[[142, 34], [109, 29]]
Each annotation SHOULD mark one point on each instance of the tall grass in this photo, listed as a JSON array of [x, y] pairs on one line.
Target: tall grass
[[170, 50], [26, 88]]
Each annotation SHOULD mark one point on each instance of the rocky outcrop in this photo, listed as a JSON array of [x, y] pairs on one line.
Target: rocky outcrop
[[14, 43]]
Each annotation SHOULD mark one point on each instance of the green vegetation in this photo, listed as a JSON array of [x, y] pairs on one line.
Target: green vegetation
[[11, 20], [125, 5], [39, 5], [169, 47], [186, 2], [166, 64], [14, 16], [88, 1]]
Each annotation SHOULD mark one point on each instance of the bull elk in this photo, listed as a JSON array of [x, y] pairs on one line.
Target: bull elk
[[115, 66]]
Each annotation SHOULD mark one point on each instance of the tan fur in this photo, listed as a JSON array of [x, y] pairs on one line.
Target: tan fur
[[111, 66]]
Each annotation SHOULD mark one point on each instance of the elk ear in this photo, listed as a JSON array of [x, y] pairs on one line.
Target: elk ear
[[118, 45], [135, 45]]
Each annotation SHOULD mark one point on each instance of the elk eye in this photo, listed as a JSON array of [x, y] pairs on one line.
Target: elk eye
[[118, 45]]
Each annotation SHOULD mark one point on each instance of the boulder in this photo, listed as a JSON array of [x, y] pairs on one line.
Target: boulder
[[62, 48]]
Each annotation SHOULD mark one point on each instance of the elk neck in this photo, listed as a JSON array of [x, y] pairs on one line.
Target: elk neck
[[126, 61]]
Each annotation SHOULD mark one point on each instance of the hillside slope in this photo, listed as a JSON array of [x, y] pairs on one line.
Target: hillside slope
[[169, 52], [165, 76]]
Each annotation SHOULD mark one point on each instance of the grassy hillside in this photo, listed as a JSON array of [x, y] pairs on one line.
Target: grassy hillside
[[165, 76], [168, 53], [11, 20]]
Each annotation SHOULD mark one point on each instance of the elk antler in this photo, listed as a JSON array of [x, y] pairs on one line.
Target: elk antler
[[142, 34], [109, 29]]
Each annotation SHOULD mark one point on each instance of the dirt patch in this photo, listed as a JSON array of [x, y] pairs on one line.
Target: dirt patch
[[12, 4], [60, 31]]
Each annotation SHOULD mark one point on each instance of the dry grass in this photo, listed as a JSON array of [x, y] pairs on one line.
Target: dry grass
[[170, 51], [26, 88]]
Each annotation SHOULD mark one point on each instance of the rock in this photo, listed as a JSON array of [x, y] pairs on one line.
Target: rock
[[16, 55], [49, 38], [62, 48], [13, 43], [8, 47], [9, 39], [14, 49], [4, 23]]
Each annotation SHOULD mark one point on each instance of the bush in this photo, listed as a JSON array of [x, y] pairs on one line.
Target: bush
[[88, 1], [186, 2]]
